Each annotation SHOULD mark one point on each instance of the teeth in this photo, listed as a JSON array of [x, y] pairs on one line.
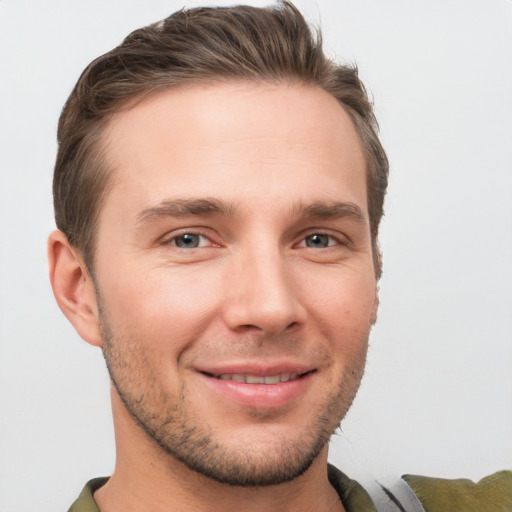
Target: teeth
[[251, 379], [257, 379]]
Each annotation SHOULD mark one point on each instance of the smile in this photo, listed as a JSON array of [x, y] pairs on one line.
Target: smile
[[258, 379], [260, 389]]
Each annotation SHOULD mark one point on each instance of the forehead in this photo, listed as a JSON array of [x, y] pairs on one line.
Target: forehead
[[240, 141]]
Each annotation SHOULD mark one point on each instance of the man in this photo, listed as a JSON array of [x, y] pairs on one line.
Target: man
[[218, 192]]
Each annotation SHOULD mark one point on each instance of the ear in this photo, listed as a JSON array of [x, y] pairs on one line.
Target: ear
[[73, 287]]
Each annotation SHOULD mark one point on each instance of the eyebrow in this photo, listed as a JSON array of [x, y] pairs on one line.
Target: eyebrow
[[330, 210], [185, 207], [210, 206]]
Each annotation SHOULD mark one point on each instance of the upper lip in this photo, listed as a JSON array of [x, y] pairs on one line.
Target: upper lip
[[257, 369]]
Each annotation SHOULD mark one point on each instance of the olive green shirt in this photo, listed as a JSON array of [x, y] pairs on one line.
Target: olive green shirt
[[491, 494], [352, 495]]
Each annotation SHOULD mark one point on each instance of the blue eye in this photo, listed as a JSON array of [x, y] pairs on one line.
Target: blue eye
[[318, 241], [187, 241]]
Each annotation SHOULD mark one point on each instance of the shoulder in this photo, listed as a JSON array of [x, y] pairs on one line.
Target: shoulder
[[494, 492], [426, 494]]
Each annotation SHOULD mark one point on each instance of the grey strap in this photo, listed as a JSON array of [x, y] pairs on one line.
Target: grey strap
[[397, 498]]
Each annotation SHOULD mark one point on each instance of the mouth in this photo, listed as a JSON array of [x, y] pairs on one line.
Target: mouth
[[259, 386], [278, 378]]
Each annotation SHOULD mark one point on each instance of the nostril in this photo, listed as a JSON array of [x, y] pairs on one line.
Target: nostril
[[248, 328], [266, 328]]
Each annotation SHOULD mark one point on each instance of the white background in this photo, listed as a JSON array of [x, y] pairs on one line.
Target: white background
[[437, 395]]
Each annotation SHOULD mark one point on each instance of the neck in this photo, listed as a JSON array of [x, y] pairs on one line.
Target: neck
[[147, 479]]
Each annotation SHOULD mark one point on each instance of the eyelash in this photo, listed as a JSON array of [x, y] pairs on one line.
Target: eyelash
[[173, 240], [330, 238], [338, 240]]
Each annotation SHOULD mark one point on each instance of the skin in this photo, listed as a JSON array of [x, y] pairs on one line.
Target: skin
[[234, 240]]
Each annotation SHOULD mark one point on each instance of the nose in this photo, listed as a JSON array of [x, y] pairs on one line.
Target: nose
[[262, 294]]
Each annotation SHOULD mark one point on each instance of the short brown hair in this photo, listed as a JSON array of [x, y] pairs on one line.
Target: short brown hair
[[197, 46]]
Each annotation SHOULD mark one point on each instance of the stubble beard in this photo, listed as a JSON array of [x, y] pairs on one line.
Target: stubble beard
[[169, 421]]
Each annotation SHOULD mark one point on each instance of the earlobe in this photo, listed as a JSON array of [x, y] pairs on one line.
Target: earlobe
[[73, 287]]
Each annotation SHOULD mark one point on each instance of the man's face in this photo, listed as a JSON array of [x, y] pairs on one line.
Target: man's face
[[234, 274]]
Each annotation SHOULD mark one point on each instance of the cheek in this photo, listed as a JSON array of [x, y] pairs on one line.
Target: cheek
[[342, 296], [342, 309], [166, 309]]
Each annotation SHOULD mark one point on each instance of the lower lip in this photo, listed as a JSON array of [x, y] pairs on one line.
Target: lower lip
[[260, 396]]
